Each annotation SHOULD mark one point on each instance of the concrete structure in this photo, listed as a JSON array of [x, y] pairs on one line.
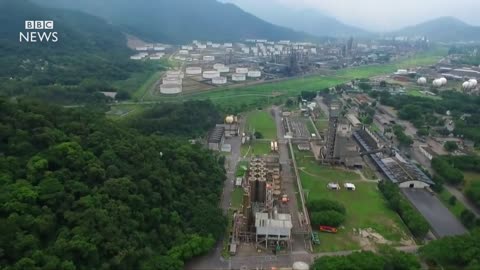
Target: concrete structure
[[272, 229], [427, 152], [172, 80], [353, 120], [216, 138], [174, 74]]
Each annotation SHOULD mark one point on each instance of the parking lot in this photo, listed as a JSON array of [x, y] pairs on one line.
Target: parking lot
[[442, 221]]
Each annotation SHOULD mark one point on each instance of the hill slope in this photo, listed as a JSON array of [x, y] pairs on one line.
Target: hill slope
[[181, 21], [446, 29], [88, 49]]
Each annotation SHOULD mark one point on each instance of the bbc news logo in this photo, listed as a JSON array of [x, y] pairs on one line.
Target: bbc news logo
[[38, 31]]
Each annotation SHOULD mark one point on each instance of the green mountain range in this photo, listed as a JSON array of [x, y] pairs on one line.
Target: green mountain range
[[444, 29], [89, 52], [181, 21]]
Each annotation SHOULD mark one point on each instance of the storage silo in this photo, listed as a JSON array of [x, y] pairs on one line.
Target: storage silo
[[193, 70], [238, 77], [241, 70], [172, 80], [170, 89], [219, 80], [210, 74]]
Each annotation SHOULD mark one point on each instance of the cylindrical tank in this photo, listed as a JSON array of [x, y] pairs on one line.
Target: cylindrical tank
[[238, 77], [422, 81], [170, 89], [210, 74], [443, 80], [402, 72], [230, 119], [172, 80], [262, 190], [473, 82], [208, 58], [183, 52], [224, 69], [219, 80], [300, 266], [254, 74], [241, 70], [193, 70], [437, 83], [174, 74], [227, 45]]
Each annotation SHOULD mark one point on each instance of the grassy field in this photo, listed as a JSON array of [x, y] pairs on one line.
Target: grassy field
[[457, 208], [417, 93], [237, 198], [471, 177], [266, 92], [366, 208], [258, 148], [263, 122]]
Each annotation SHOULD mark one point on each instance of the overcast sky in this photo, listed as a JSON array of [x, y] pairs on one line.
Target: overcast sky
[[376, 15]]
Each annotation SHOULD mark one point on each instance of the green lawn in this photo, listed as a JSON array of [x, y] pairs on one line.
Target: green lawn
[[366, 208], [258, 148], [417, 93], [263, 122], [455, 209], [241, 168], [237, 198], [322, 124], [471, 177]]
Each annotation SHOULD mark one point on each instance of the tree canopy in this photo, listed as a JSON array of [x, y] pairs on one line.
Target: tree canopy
[[78, 191]]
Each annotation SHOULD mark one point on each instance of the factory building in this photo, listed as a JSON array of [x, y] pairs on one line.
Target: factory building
[[216, 138]]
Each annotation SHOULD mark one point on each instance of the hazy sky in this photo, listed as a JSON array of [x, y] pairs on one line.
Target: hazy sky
[[377, 15]]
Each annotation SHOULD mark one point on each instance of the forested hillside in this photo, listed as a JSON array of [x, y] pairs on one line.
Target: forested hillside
[[181, 21], [78, 191], [89, 55]]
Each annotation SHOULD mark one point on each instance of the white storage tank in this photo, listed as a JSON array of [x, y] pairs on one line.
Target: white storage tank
[[215, 45], [241, 70], [175, 74], [172, 80], [193, 70], [228, 45], [183, 52], [218, 66], [238, 77], [219, 80], [186, 47], [300, 266], [170, 89], [157, 48], [208, 58], [201, 46], [254, 74], [422, 81], [210, 74], [437, 83]]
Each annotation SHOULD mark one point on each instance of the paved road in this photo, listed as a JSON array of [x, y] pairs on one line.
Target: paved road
[[442, 221], [214, 259]]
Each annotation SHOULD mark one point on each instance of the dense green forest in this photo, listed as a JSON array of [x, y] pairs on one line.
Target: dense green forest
[[386, 259], [181, 21], [459, 252], [192, 118], [89, 56], [78, 191]]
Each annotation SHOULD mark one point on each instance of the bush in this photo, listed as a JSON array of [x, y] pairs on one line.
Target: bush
[[324, 205], [468, 218], [328, 218], [452, 200], [473, 193], [451, 174], [258, 135]]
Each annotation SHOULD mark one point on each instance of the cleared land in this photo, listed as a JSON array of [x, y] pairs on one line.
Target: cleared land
[[366, 208]]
